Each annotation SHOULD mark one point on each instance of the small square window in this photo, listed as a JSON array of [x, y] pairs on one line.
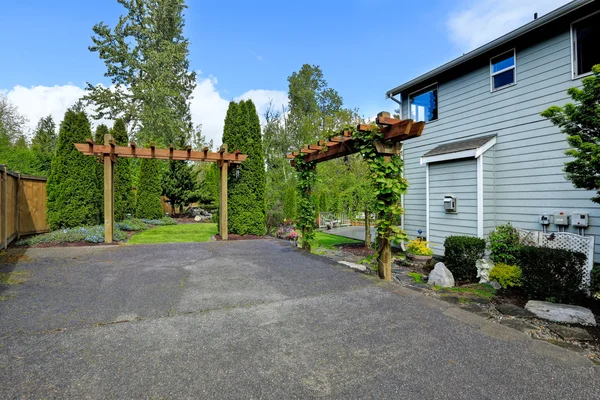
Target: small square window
[[503, 70], [423, 105], [586, 36]]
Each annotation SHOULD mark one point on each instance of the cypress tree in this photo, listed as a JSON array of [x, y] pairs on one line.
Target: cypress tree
[[124, 197], [43, 143], [72, 191], [101, 130], [246, 195], [148, 204]]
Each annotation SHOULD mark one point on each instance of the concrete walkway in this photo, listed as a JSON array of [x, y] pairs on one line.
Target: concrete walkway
[[253, 319], [352, 232]]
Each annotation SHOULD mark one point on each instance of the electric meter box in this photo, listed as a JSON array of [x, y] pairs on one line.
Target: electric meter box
[[580, 220], [561, 219], [449, 204], [544, 219]]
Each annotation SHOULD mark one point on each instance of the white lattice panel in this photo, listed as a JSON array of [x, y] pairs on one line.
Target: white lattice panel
[[564, 241]]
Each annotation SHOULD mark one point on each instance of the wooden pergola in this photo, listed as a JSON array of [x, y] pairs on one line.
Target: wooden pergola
[[109, 152], [395, 131]]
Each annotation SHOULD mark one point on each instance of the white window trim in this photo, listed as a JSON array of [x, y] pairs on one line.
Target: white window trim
[[492, 73], [574, 49], [422, 91]]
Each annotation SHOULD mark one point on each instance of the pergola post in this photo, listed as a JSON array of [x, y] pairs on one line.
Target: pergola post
[[109, 193], [223, 221]]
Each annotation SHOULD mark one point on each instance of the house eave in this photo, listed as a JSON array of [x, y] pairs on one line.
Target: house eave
[[535, 24]]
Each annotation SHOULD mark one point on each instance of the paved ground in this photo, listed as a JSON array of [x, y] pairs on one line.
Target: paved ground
[[352, 232], [255, 319]]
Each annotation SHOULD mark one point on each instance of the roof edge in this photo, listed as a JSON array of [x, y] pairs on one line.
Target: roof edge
[[530, 26]]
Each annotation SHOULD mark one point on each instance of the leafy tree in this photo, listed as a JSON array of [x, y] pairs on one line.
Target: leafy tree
[[148, 204], [12, 123], [44, 142], [246, 199], [72, 192], [124, 196], [581, 123], [179, 184]]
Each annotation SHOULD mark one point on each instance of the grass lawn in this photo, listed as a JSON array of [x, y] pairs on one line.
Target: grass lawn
[[328, 241], [175, 234]]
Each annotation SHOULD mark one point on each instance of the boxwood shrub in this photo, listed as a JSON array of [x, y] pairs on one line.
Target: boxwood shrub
[[552, 274], [460, 255]]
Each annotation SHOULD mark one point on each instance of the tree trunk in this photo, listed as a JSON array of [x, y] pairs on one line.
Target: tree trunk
[[384, 261], [367, 228]]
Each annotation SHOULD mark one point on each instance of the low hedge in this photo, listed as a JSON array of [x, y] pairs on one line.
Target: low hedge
[[461, 254], [552, 274]]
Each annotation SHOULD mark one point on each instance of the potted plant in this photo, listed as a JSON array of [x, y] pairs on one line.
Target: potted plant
[[418, 250]]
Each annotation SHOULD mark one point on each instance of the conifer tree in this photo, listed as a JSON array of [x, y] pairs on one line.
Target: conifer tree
[[148, 204], [43, 143], [72, 189], [246, 192], [124, 196]]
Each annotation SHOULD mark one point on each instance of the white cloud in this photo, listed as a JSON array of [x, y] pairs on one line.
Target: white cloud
[[208, 107], [482, 21]]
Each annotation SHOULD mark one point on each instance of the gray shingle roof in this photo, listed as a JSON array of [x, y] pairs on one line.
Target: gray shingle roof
[[461, 145]]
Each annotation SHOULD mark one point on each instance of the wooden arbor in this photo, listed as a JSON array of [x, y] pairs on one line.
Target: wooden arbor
[[394, 132], [109, 153]]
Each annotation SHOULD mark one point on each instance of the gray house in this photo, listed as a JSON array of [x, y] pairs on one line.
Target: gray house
[[486, 156]]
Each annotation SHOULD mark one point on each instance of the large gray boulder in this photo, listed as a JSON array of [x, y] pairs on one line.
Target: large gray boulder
[[565, 313], [441, 276]]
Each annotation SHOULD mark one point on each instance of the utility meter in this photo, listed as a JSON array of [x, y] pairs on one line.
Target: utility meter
[[449, 204], [580, 220], [561, 219], [544, 220]]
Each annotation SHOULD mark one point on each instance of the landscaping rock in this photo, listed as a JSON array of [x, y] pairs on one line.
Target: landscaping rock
[[197, 218], [514, 311], [561, 312], [518, 325], [441, 276], [483, 270], [479, 300], [496, 285], [352, 265], [450, 299], [571, 332]]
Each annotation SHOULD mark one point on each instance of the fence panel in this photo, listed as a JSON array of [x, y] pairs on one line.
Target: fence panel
[[22, 206]]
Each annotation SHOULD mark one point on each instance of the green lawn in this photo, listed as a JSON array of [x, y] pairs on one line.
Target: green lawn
[[328, 241], [175, 234]]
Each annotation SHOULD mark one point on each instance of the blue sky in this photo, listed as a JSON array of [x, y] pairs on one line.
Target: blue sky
[[246, 49]]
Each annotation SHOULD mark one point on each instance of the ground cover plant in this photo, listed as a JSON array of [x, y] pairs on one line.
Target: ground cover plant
[[180, 233], [89, 234]]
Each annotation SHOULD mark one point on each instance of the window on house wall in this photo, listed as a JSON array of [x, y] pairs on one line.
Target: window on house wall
[[586, 42], [424, 105], [503, 70]]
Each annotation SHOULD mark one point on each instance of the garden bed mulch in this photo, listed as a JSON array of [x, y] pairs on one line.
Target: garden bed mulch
[[64, 244], [357, 249], [232, 236]]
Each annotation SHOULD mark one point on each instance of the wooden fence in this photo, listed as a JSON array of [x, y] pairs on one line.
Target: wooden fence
[[22, 206]]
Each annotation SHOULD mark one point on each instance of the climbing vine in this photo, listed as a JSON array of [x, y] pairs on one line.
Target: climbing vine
[[305, 203]]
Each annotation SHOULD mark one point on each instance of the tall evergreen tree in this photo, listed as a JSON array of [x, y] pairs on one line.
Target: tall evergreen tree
[[246, 199], [124, 196], [44, 142], [101, 130], [148, 204], [72, 191]]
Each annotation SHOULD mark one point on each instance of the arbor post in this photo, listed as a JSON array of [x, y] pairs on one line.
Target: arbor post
[[223, 197], [384, 261], [109, 192]]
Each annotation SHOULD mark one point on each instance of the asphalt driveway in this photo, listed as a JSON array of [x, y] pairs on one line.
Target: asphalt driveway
[[253, 319]]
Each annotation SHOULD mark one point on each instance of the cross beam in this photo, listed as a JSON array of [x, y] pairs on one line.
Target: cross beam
[[109, 152]]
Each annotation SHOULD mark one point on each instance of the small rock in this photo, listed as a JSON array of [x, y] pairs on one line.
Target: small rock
[[571, 332], [441, 276], [197, 218], [514, 311], [357, 267], [450, 299], [479, 300], [518, 325], [561, 312], [496, 285]]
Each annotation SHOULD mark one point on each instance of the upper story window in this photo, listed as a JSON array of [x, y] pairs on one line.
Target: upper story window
[[586, 42], [424, 105], [503, 70]]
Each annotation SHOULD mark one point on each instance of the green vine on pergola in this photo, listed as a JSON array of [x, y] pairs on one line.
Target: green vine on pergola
[[379, 147]]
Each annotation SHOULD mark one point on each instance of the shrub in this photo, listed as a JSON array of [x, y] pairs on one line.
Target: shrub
[[148, 204], [504, 244], [159, 221], [132, 225], [274, 220], [595, 284], [74, 196], [461, 254], [419, 247], [506, 275], [124, 196], [90, 234], [552, 273]]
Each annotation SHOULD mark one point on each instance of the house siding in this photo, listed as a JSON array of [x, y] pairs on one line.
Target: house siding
[[523, 172], [457, 178]]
